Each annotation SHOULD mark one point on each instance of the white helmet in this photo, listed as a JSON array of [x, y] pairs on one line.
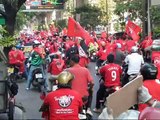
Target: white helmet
[[119, 45], [134, 49]]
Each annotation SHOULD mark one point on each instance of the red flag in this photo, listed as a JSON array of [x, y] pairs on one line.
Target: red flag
[[133, 30], [76, 30], [73, 28]]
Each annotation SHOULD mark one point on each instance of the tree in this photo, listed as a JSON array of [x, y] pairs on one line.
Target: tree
[[90, 16], [11, 7], [132, 7]]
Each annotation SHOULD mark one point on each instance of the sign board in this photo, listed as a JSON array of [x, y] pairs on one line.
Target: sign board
[[44, 4], [155, 2], [124, 98]]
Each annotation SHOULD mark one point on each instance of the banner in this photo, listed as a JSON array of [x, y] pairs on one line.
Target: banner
[[133, 30], [76, 30]]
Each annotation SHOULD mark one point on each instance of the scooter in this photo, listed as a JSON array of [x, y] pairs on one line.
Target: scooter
[[38, 79]]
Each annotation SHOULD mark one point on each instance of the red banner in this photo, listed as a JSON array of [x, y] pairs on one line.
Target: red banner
[[133, 30], [76, 30]]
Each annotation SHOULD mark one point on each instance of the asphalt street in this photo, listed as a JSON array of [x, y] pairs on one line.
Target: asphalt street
[[32, 102]]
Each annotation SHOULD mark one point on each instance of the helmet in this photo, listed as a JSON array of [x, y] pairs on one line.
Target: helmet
[[119, 45], [64, 78], [134, 49], [149, 113], [36, 42], [149, 71], [18, 46]]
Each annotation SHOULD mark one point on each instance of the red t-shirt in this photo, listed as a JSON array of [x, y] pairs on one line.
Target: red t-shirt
[[64, 104], [56, 66], [81, 79], [156, 58], [154, 89], [112, 73], [13, 56]]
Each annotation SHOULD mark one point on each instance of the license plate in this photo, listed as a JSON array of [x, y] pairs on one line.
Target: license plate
[[10, 70], [39, 76]]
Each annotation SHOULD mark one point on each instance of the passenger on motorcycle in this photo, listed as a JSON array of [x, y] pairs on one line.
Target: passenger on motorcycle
[[82, 80], [64, 103], [36, 61], [149, 72], [111, 74], [55, 68], [134, 62], [118, 54], [16, 58]]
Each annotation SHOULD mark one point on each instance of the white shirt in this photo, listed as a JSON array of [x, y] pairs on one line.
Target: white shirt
[[134, 61]]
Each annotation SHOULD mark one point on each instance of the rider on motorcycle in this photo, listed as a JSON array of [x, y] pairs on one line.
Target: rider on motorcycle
[[149, 72], [64, 103], [36, 61], [16, 58], [112, 74], [134, 62], [82, 80]]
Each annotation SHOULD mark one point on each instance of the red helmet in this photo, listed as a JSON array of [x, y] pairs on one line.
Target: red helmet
[[149, 113]]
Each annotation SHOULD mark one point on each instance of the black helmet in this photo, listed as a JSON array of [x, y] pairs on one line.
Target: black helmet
[[149, 71]]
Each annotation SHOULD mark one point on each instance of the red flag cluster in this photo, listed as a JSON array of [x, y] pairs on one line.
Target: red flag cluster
[[76, 30], [133, 30]]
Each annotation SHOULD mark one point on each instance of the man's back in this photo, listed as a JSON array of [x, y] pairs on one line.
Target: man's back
[[81, 79], [134, 62], [64, 103], [112, 74]]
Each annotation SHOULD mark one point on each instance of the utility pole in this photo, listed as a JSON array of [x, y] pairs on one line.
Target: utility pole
[[107, 16], [149, 20], [145, 18]]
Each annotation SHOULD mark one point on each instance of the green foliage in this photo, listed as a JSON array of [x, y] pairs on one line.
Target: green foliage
[[155, 20], [61, 24], [133, 7], [21, 20], [6, 39], [155, 16], [89, 15]]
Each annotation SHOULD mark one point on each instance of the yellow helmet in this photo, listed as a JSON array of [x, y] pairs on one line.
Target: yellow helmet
[[64, 77]]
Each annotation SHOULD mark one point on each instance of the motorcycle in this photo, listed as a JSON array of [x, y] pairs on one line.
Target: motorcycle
[[13, 73], [84, 115], [93, 57], [108, 91], [38, 79]]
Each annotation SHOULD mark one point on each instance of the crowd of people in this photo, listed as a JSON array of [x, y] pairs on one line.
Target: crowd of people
[[69, 67]]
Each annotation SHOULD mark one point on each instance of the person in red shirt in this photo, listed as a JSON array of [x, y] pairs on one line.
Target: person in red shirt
[[16, 57], [102, 54], [129, 44], [82, 78], [64, 103], [149, 73], [55, 68], [112, 73]]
